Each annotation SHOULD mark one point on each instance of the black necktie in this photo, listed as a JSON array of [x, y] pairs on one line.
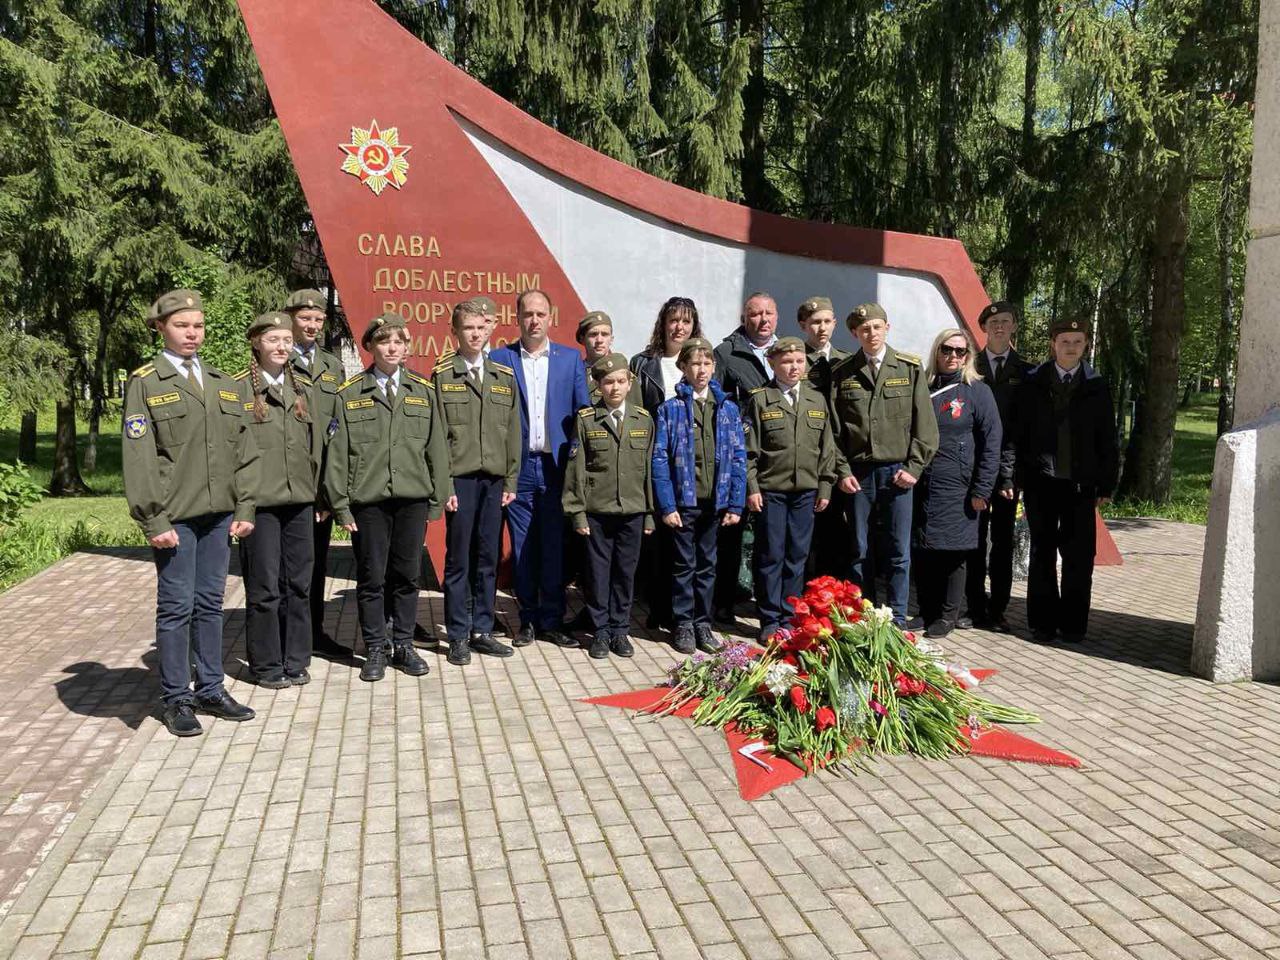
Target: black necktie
[[999, 366], [1066, 379]]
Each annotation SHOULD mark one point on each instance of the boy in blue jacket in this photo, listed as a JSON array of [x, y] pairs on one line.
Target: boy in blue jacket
[[700, 484]]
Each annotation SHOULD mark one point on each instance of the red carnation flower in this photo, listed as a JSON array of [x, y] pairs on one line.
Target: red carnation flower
[[825, 717], [799, 699], [908, 686]]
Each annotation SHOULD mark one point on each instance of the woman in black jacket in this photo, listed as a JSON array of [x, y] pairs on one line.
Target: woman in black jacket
[[956, 486]]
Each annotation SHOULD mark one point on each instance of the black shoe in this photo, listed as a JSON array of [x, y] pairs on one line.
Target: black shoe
[[224, 707], [915, 623], [459, 653], [558, 638], [405, 659], [375, 663], [299, 679], [620, 645], [704, 640], [325, 646], [278, 682], [1042, 635], [724, 615], [1073, 638], [485, 643], [599, 649], [684, 641], [939, 629], [525, 637], [964, 623], [181, 720]]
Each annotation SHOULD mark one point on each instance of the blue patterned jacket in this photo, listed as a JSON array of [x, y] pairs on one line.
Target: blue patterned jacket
[[674, 472]]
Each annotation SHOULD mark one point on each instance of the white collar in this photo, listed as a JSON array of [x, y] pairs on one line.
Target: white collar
[[542, 354], [703, 395], [878, 357], [825, 349], [382, 378], [473, 364], [307, 352], [269, 380], [786, 389], [1062, 373], [178, 361], [622, 410], [993, 357]]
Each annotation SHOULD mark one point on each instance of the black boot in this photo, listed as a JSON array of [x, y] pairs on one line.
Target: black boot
[[375, 663], [599, 649], [405, 659]]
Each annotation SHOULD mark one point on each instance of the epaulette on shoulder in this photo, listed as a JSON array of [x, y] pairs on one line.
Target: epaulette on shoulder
[[444, 363], [301, 378], [350, 380], [643, 412], [755, 390], [586, 411], [143, 370], [241, 375], [503, 367], [910, 358], [417, 378]]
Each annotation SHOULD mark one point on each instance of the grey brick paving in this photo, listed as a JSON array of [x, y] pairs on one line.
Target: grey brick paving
[[486, 812]]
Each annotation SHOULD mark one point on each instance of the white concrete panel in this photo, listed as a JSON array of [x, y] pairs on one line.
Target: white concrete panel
[[627, 262]]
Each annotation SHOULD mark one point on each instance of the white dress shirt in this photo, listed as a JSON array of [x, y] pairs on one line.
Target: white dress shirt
[[537, 371], [762, 351], [381, 379], [1074, 371], [878, 357], [993, 357], [306, 354], [178, 362], [269, 380]]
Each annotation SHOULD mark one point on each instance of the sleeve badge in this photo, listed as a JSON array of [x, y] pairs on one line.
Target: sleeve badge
[[135, 427]]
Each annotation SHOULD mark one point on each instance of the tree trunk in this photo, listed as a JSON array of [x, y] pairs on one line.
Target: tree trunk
[[1019, 266], [27, 438], [756, 190], [97, 395], [461, 33], [66, 480], [1149, 474], [1225, 365], [946, 153]]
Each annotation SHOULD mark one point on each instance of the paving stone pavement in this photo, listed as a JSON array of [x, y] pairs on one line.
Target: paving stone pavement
[[485, 812]]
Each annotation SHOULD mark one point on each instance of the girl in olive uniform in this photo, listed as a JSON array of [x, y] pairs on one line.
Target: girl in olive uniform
[[277, 560], [387, 474], [190, 472]]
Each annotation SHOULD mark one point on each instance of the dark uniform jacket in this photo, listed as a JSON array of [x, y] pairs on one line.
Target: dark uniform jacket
[[819, 367], [1013, 373], [610, 470], [965, 466], [384, 451], [738, 368], [290, 446], [186, 454], [483, 422], [790, 449], [1090, 419], [888, 420]]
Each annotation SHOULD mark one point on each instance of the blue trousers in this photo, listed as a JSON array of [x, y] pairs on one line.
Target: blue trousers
[[784, 531], [473, 543], [191, 579], [536, 521], [881, 502], [693, 572]]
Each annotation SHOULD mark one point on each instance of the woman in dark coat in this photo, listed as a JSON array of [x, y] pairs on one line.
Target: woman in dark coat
[[956, 486]]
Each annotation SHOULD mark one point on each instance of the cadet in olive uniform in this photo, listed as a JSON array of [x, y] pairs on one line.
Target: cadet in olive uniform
[[595, 333], [608, 498], [476, 405], [886, 429], [816, 317], [792, 466], [190, 471], [324, 370], [276, 560], [388, 473]]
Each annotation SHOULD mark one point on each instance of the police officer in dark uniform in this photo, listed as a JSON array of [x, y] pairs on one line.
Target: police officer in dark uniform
[[886, 429], [1002, 369], [308, 311], [1067, 464]]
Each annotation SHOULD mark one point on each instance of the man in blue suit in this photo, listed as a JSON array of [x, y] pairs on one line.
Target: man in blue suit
[[553, 388]]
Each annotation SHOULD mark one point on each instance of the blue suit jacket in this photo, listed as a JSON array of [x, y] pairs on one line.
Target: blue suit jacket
[[566, 395]]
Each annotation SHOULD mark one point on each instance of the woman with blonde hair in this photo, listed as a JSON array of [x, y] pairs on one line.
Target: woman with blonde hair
[[957, 485]]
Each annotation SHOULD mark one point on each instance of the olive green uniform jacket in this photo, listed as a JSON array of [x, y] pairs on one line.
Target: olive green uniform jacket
[[819, 367], [290, 446], [482, 420], [326, 375], [610, 471], [387, 450], [888, 420], [790, 449], [186, 454]]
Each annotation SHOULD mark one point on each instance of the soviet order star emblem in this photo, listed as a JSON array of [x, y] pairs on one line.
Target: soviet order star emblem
[[377, 157]]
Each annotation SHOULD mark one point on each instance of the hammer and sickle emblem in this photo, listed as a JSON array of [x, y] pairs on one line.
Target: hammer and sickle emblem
[[376, 156]]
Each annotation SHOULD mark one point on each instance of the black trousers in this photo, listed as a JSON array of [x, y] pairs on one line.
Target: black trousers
[[832, 552], [729, 563], [322, 532], [940, 576], [473, 542], [612, 553], [693, 568], [996, 524], [784, 531], [388, 548], [276, 561], [1060, 519]]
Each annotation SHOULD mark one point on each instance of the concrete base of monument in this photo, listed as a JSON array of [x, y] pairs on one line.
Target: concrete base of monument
[[1237, 634]]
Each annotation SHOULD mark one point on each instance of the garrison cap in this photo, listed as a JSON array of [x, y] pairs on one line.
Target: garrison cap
[[485, 304], [863, 312], [274, 320], [1000, 306], [306, 300], [1070, 326], [387, 321], [595, 318], [785, 345], [172, 302], [811, 306], [607, 365], [692, 344]]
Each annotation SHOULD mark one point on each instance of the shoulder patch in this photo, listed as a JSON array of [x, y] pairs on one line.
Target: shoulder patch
[[143, 370], [503, 367], [241, 375], [586, 411], [910, 358], [444, 364], [349, 381], [417, 378]]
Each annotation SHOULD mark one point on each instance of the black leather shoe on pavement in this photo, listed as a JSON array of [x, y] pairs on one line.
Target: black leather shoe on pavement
[[405, 659], [299, 679], [620, 645], [181, 720], [684, 641], [939, 629], [915, 623], [375, 664], [558, 638], [224, 707], [459, 653], [599, 649], [704, 639], [525, 637], [273, 683], [486, 644]]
